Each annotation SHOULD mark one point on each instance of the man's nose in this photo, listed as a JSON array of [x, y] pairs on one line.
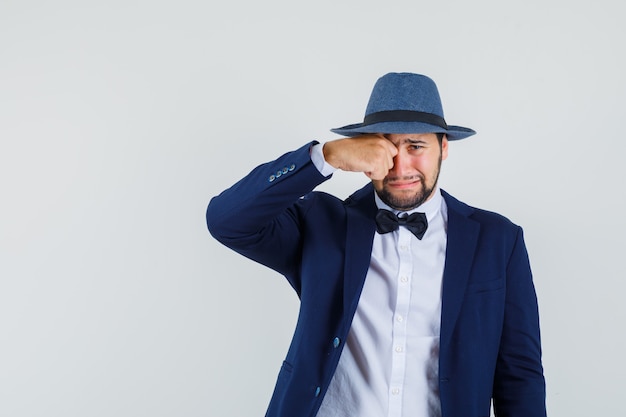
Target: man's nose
[[400, 164]]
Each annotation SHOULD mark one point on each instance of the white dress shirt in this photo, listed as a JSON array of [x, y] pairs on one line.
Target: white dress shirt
[[389, 365]]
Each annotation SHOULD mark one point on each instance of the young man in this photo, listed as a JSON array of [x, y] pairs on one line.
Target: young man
[[412, 303]]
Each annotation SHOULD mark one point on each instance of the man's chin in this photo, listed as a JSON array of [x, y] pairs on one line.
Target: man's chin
[[402, 201]]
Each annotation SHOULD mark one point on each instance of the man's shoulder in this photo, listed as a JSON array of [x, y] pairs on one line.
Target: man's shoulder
[[480, 215]]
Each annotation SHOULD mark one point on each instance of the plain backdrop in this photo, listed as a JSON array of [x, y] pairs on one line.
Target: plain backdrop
[[120, 119]]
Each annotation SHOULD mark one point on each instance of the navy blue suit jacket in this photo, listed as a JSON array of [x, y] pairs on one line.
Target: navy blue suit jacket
[[489, 341]]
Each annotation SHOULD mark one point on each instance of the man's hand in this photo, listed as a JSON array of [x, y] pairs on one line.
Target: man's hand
[[370, 154]]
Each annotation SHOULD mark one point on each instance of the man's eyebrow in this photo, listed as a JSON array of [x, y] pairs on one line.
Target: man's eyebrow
[[415, 141], [409, 140]]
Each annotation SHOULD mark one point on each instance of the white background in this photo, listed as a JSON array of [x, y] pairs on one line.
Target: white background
[[120, 119]]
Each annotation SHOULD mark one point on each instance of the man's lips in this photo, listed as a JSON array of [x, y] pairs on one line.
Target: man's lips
[[403, 184]]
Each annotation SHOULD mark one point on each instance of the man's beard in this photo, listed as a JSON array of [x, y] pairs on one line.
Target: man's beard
[[408, 202]]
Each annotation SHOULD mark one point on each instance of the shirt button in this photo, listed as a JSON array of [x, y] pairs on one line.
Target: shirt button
[[395, 391], [399, 349], [400, 318], [403, 247], [404, 278]]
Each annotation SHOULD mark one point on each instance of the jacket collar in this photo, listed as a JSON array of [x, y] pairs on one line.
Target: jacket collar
[[460, 249], [461, 245]]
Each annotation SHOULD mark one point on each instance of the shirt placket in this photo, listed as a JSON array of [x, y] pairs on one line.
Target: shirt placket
[[400, 319]]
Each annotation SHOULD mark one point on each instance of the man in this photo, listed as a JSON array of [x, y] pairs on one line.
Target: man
[[412, 303]]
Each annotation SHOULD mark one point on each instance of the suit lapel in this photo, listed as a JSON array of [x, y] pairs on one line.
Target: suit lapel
[[462, 239], [360, 228]]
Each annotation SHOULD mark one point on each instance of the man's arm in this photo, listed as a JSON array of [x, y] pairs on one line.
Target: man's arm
[[258, 216], [519, 385]]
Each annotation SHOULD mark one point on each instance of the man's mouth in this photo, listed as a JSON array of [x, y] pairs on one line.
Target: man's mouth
[[403, 183]]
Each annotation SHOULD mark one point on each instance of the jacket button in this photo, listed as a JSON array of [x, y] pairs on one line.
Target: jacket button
[[292, 167], [317, 391], [271, 178], [336, 342]]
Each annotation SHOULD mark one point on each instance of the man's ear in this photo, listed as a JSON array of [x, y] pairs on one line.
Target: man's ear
[[444, 147]]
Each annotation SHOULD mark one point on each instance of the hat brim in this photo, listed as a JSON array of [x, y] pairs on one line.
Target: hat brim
[[452, 132]]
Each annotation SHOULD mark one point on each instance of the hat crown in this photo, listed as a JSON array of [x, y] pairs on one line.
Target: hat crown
[[405, 91], [404, 103]]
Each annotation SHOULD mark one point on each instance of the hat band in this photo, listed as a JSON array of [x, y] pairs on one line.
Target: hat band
[[404, 116]]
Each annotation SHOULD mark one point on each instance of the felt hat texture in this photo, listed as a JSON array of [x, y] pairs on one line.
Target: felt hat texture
[[404, 103]]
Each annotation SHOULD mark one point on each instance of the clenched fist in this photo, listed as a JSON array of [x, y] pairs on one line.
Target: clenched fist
[[370, 154]]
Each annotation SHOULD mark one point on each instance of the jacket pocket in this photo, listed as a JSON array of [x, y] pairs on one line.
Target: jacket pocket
[[278, 397], [286, 367], [284, 377]]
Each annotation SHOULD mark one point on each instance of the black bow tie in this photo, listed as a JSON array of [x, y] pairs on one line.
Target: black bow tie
[[387, 221]]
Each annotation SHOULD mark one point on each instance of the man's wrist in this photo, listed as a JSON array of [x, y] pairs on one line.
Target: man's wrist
[[317, 157]]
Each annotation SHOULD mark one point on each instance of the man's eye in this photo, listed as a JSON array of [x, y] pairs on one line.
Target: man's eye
[[415, 147]]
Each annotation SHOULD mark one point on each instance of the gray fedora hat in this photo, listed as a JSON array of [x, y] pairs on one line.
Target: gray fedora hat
[[404, 103]]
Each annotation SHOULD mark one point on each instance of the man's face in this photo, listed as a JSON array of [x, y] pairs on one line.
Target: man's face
[[414, 175]]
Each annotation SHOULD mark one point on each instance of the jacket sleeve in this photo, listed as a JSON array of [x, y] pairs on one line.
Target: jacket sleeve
[[519, 385], [260, 216]]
